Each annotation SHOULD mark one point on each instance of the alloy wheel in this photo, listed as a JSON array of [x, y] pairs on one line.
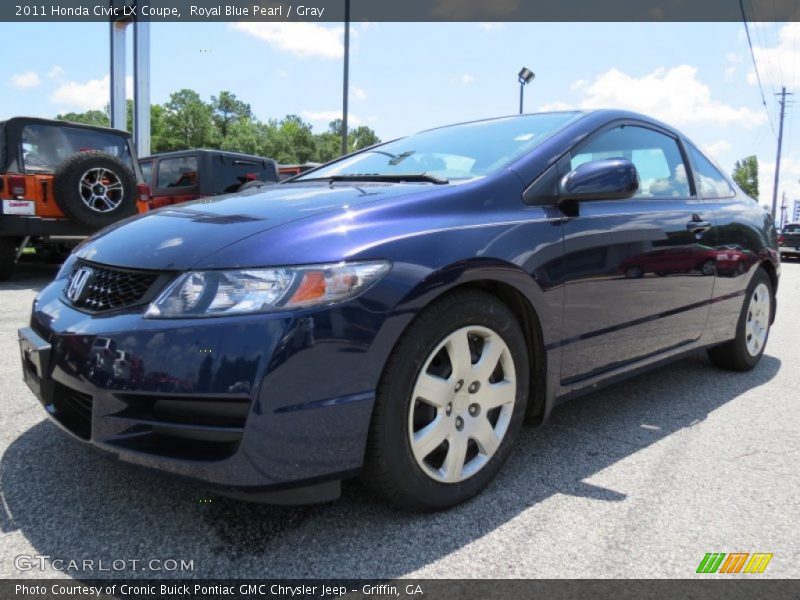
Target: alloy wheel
[[757, 323], [462, 403], [101, 190]]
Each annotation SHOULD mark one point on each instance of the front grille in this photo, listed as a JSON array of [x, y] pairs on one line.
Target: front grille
[[110, 288]]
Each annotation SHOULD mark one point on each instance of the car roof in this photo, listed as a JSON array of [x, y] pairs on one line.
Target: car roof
[[22, 121], [181, 153], [609, 114]]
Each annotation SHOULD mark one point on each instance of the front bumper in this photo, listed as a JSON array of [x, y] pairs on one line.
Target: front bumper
[[247, 405]]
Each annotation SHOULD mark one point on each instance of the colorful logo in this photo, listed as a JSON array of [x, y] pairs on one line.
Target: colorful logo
[[735, 562]]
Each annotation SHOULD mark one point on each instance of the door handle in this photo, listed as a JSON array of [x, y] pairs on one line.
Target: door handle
[[698, 226]]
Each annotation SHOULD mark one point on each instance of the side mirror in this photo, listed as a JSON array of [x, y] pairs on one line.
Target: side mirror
[[608, 179]]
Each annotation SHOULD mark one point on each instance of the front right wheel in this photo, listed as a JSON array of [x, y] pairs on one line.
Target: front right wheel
[[450, 403], [752, 330]]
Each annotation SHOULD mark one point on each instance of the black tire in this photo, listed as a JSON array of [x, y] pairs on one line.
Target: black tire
[[8, 256], [390, 467], [68, 191], [707, 268], [733, 355], [634, 272]]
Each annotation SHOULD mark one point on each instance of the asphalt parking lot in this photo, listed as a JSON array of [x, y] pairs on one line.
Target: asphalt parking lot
[[640, 479]]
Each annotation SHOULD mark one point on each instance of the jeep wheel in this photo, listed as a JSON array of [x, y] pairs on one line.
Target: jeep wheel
[[95, 189], [8, 256]]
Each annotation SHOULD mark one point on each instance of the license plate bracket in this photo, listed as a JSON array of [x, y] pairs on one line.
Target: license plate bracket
[[35, 354]]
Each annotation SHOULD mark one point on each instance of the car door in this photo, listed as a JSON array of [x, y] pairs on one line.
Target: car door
[[620, 303]]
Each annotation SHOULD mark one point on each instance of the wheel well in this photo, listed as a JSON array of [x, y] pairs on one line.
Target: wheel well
[[532, 329], [773, 278]]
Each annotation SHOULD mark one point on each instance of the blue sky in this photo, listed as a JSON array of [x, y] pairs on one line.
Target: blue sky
[[409, 76]]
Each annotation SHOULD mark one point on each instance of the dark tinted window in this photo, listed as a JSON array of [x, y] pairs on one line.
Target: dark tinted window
[[710, 182], [229, 173], [44, 147], [177, 172], [662, 172], [791, 229]]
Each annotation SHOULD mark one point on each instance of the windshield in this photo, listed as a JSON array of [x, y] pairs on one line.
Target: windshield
[[448, 153], [44, 147], [791, 229]]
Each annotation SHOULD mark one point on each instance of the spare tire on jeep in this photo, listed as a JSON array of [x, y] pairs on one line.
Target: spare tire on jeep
[[95, 189]]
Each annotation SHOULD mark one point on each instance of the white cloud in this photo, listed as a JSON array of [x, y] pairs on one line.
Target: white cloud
[[300, 39], [358, 93], [730, 72], [717, 148], [56, 72], [490, 26], [556, 106], [790, 174], [26, 80], [326, 116], [674, 95], [579, 85], [778, 63], [90, 95], [732, 57], [467, 78]]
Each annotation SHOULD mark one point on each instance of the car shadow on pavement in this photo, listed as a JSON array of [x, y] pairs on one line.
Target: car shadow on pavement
[[30, 275], [69, 502]]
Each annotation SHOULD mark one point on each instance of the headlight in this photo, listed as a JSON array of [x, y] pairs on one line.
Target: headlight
[[220, 293]]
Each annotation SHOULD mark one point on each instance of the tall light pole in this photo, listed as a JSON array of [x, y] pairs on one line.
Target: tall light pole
[[525, 76], [346, 77]]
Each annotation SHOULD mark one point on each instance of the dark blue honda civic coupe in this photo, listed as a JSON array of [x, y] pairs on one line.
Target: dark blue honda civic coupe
[[399, 312]]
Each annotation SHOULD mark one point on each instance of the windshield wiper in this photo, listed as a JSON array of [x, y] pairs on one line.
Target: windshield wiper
[[399, 178]]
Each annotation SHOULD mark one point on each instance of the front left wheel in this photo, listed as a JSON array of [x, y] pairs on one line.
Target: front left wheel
[[450, 403]]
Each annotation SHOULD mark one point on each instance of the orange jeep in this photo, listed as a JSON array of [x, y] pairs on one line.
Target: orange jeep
[[60, 182]]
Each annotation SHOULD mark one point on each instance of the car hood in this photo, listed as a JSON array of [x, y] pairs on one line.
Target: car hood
[[178, 237]]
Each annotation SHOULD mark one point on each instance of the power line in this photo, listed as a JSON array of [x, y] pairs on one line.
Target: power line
[[755, 67]]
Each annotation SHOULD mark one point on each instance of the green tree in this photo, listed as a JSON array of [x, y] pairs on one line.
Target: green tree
[[362, 137], [294, 141], [90, 117], [329, 143], [228, 109], [188, 122], [745, 174]]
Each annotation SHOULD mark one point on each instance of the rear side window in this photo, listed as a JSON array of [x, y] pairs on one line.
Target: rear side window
[[657, 157], [147, 171], [710, 182], [177, 172], [230, 173]]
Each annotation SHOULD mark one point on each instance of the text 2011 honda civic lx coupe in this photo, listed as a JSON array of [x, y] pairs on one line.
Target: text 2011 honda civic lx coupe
[[398, 313]]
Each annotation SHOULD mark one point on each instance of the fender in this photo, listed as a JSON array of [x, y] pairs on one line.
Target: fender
[[484, 272]]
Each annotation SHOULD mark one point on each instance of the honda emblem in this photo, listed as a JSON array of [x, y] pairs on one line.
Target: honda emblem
[[77, 283]]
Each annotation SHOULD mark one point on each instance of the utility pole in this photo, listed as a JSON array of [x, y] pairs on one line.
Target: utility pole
[[782, 102], [783, 210], [346, 78]]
